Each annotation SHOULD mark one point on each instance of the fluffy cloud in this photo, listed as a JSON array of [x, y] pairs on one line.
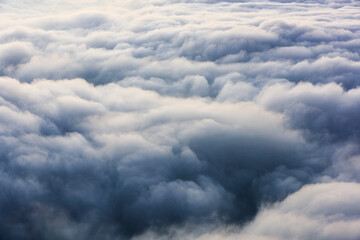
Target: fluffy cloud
[[317, 211], [134, 158], [171, 41], [179, 120]]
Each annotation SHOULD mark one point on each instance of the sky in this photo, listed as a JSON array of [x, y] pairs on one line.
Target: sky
[[179, 120]]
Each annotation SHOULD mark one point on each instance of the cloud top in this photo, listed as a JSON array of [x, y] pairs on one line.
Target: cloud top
[[179, 120]]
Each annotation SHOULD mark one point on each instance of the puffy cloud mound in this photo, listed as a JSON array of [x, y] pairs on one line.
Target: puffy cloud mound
[[129, 159], [317, 211], [179, 119]]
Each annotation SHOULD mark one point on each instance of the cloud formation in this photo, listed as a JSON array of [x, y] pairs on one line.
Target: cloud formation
[[179, 120], [317, 211]]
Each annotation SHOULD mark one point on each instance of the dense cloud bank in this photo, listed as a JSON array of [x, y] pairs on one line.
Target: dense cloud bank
[[179, 120]]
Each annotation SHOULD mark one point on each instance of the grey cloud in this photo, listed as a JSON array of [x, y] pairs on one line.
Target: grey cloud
[[83, 20], [179, 119], [13, 54], [36, 37], [328, 211], [152, 42], [148, 151], [318, 211], [189, 86], [325, 109]]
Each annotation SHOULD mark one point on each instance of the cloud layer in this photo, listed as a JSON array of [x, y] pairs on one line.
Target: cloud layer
[[179, 120]]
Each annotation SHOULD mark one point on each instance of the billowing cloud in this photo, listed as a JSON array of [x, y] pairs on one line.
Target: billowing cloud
[[179, 120], [317, 211]]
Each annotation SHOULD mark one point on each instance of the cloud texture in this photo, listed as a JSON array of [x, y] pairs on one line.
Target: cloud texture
[[179, 120]]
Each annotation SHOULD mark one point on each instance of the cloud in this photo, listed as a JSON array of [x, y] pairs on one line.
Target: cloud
[[325, 109], [322, 211], [179, 119], [149, 151], [317, 211], [153, 40]]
